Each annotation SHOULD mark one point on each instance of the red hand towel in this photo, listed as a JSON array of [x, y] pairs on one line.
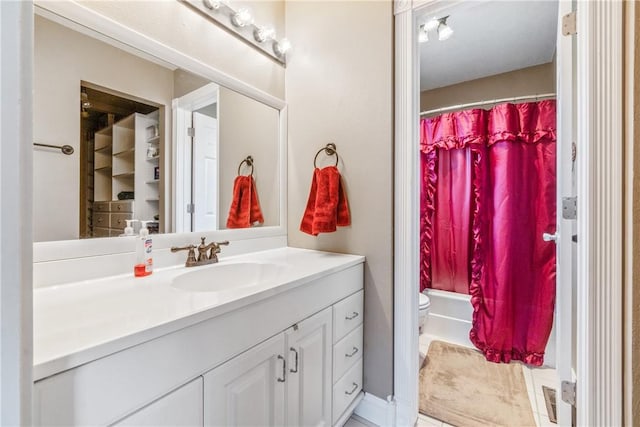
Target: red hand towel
[[245, 207], [327, 204]]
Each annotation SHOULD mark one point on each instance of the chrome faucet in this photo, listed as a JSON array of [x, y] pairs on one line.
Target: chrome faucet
[[207, 254]]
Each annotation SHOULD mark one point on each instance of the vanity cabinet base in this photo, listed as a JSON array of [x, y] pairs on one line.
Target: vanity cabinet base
[[135, 381]]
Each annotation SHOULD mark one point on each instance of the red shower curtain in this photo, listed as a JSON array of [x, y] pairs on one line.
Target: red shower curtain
[[486, 223]]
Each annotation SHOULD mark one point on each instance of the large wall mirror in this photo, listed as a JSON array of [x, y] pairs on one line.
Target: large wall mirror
[[151, 141]]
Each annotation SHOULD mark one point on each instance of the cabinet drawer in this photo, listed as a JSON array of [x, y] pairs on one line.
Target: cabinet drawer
[[101, 206], [347, 352], [118, 220], [100, 232], [122, 206], [100, 220], [346, 390], [347, 314]]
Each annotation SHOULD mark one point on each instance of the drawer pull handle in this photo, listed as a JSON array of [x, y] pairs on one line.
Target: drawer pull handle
[[355, 350], [295, 370], [353, 316], [353, 390], [284, 369]]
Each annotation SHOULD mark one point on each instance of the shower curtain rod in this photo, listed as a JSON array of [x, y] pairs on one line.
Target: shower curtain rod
[[489, 101]]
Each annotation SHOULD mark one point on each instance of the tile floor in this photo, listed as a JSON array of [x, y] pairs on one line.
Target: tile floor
[[534, 378]]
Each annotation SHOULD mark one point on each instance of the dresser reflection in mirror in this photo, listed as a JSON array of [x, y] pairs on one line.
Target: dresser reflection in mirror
[[151, 141]]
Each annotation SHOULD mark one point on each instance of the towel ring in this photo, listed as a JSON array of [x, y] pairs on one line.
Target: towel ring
[[330, 150], [249, 162]]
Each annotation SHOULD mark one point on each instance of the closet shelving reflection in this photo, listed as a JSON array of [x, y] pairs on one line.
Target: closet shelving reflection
[[126, 160]]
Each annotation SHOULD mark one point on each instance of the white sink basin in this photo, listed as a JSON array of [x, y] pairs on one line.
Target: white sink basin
[[227, 277]]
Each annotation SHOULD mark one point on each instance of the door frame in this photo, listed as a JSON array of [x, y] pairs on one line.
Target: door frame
[[16, 230], [182, 108], [599, 308]]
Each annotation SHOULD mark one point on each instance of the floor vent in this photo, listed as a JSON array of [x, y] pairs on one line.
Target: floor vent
[[550, 402]]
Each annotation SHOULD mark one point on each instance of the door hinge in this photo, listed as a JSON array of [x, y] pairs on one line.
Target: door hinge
[[191, 132], [569, 392], [569, 24], [570, 207], [191, 208]]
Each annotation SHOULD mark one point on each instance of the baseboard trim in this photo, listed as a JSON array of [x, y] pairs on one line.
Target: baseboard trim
[[350, 410], [377, 411]]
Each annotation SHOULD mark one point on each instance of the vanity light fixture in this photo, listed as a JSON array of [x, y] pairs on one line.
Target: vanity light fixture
[[213, 4], [241, 18], [439, 24], [423, 34], [444, 31], [262, 34], [281, 48], [241, 22]]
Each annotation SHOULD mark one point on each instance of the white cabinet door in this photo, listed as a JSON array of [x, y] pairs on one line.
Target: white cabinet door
[[249, 389], [205, 172], [309, 378], [182, 407]]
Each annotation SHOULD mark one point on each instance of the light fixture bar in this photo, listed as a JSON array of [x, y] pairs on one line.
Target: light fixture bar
[[241, 22]]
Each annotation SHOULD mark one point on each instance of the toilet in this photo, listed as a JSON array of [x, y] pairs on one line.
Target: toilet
[[423, 310]]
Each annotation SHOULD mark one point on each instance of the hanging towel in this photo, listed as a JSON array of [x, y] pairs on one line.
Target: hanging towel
[[245, 208], [327, 205]]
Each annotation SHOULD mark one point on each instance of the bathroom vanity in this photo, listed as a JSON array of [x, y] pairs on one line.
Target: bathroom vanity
[[267, 338]]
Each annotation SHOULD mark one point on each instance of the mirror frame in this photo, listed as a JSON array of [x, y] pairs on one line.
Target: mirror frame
[[78, 17]]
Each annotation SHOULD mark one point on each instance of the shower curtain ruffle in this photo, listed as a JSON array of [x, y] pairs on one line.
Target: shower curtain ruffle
[[485, 133]]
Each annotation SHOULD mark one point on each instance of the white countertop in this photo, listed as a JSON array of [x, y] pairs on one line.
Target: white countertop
[[79, 322]]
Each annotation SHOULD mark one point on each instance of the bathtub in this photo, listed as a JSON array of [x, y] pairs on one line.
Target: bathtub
[[449, 319]]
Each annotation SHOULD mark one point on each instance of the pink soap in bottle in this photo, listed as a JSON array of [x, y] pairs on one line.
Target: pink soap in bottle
[[144, 248]]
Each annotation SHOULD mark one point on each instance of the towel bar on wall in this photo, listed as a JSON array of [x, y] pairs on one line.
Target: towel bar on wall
[[330, 150], [65, 149], [249, 162]]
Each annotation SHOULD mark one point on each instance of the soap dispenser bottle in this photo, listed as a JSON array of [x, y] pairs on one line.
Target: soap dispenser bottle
[[144, 247], [128, 230]]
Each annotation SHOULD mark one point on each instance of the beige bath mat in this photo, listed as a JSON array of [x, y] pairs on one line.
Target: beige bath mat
[[459, 387]]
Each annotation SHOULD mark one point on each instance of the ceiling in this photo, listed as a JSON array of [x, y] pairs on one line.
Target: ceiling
[[490, 37]]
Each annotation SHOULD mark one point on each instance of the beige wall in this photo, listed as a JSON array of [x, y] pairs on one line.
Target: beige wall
[[183, 28], [339, 85], [247, 127], [62, 58], [635, 362], [524, 82]]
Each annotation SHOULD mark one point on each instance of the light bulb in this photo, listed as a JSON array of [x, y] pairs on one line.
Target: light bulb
[[242, 18], [280, 48], [264, 33], [431, 25], [444, 31], [212, 4], [423, 36]]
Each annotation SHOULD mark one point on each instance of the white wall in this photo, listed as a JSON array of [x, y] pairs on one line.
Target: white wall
[[339, 84], [62, 59]]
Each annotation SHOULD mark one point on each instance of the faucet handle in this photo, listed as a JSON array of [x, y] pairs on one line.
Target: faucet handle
[[215, 249], [191, 256], [216, 246]]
